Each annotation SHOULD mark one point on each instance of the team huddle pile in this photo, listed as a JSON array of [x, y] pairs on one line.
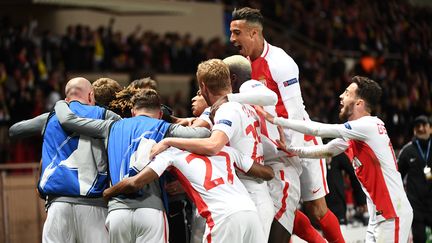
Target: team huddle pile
[[246, 175]]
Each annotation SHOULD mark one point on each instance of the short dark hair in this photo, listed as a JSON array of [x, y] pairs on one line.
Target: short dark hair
[[251, 15], [368, 90], [146, 99]]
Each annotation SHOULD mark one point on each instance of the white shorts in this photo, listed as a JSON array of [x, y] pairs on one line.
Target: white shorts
[[239, 227], [313, 179], [260, 195], [391, 230], [137, 225], [285, 191], [67, 222]]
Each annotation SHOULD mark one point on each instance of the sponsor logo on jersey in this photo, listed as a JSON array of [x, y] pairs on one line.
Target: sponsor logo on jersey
[[289, 82], [347, 125], [223, 121]]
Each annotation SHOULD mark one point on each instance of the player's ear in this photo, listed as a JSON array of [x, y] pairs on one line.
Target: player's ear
[[133, 112]]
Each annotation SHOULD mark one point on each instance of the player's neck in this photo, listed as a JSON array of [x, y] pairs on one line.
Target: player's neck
[[358, 114], [259, 50]]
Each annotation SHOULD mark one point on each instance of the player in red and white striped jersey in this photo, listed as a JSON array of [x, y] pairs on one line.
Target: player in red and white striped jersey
[[278, 71], [234, 124], [364, 139], [212, 184]]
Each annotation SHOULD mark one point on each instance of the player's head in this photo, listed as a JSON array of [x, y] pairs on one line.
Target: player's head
[[122, 103], [198, 104], [360, 98], [105, 90], [246, 31], [80, 89], [146, 101], [213, 79], [422, 128], [144, 83], [240, 70]]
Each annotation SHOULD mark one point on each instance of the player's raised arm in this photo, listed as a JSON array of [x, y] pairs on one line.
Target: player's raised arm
[[84, 126], [131, 184]]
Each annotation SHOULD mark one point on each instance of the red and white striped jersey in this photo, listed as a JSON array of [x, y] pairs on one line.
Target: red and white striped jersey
[[279, 72], [375, 165], [240, 122], [210, 181], [368, 146]]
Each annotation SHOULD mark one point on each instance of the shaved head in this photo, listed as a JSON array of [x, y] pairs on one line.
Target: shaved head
[[80, 89]]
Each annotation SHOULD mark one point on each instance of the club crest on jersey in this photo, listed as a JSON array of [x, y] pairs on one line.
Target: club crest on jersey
[[223, 121], [289, 82], [347, 125]]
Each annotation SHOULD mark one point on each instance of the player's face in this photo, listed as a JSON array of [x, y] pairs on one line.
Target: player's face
[[242, 37], [348, 100], [198, 104]]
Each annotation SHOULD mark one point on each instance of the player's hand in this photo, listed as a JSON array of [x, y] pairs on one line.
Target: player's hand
[[174, 188], [107, 194], [215, 107], [265, 114], [157, 149]]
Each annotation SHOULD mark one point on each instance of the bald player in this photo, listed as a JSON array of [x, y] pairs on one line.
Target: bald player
[[74, 174]]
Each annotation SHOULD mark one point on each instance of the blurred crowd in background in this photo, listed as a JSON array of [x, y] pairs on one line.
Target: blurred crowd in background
[[331, 40]]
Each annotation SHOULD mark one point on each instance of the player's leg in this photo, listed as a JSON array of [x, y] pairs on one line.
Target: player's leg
[[419, 228], [278, 233], [303, 229], [260, 195], [91, 223], [151, 225], [198, 227], [119, 225], [59, 225], [313, 190], [285, 192]]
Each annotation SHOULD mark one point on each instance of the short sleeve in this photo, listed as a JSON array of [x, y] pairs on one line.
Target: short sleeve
[[227, 119], [161, 162], [243, 162], [206, 116]]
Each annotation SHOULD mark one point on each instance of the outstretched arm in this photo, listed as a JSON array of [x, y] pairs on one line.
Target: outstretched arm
[[29, 127], [313, 128], [85, 126], [333, 148], [203, 146], [131, 184], [254, 93]]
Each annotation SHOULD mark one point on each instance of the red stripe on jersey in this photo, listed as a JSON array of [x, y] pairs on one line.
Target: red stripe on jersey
[[285, 196], [261, 72], [165, 228], [396, 236], [308, 138], [370, 174], [197, 199]]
